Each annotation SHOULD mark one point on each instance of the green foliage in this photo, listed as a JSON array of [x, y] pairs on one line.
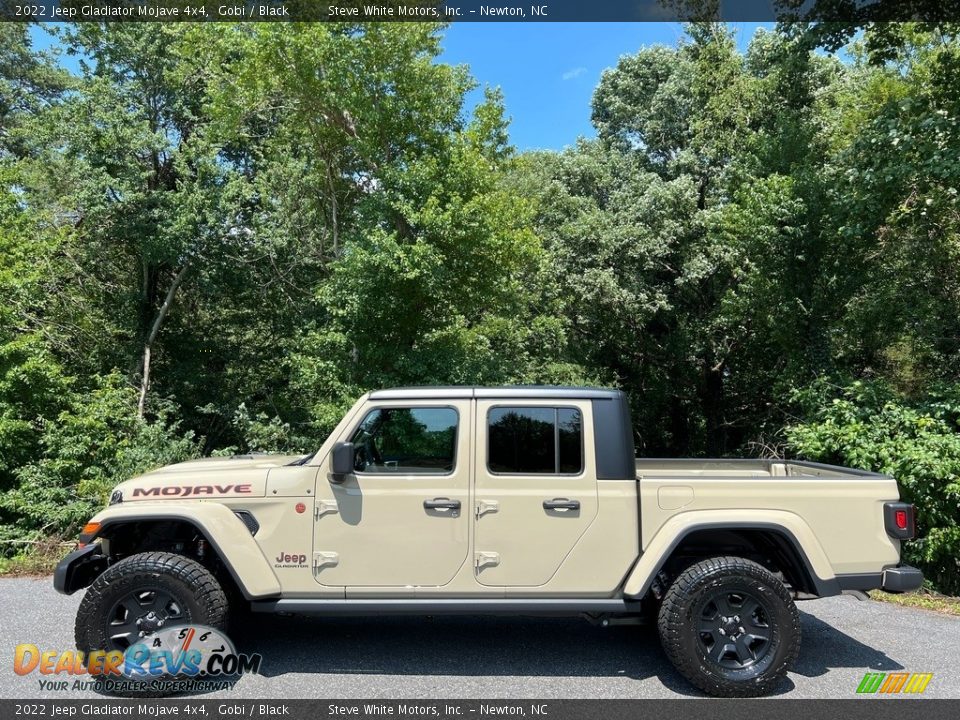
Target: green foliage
[[464, 276], [265, 433], [866, 425], [29, 81], [32, 386], [93, 444], [32, 378]]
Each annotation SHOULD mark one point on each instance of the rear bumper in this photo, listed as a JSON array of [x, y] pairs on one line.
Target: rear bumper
[[902, 578]]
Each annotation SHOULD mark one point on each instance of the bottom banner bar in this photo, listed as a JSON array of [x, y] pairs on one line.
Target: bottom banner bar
[[695, 709]]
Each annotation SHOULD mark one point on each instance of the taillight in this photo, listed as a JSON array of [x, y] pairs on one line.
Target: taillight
[[901, 517], [899, 520]]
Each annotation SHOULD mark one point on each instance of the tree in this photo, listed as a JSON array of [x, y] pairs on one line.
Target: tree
[[29, 82], [139, 183]]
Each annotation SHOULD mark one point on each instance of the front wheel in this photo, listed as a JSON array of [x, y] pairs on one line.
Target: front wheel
[[143, 595], [730, 627]]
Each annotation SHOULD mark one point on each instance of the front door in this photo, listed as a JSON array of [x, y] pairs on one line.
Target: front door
[[401, 519], [536, 488]]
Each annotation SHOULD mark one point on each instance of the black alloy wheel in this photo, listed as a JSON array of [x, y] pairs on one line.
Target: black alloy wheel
[[730, 627], [734, 630], [142, 612]]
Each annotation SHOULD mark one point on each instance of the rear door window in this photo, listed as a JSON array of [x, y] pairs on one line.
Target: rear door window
[[535, 441]]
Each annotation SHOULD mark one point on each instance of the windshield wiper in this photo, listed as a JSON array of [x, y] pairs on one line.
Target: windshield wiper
[[304, 460]]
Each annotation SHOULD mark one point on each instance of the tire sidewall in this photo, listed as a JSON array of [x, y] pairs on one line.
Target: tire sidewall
[[130, 575], [679, 618]]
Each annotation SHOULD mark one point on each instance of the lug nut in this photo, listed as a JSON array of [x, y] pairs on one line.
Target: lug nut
[[722, 632]]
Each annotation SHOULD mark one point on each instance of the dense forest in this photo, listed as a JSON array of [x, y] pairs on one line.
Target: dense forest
[[214, 238]]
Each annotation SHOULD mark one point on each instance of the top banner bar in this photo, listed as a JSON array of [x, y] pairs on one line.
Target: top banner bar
[[355, 11]]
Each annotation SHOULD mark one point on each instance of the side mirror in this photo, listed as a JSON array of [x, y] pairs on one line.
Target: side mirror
[[342, 462]]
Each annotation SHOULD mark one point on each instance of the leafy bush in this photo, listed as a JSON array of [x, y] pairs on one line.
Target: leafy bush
[[867, 425], [32, 385], [97, 442], [265, 433]]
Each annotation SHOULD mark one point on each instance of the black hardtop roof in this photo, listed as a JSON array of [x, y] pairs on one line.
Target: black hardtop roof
[[506, 392]]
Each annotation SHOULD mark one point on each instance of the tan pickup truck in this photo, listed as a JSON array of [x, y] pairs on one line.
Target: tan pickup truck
[[515, 500]]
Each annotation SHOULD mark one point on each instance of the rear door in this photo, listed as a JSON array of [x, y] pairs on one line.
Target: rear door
[[402, 517], [536, 487]]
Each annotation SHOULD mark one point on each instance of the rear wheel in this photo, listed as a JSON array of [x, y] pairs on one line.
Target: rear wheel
[[730, 627]]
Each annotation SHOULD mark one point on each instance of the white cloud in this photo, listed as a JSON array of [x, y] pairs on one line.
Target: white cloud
[[574, 73]]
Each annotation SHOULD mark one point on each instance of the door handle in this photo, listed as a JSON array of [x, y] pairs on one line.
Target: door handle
[[561, 504], [441, 504]]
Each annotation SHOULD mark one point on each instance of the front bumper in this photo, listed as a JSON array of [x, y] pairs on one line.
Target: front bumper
[[78, 569], [902, 578]]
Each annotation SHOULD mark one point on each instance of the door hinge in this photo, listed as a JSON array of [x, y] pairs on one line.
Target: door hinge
[[486, 506], [323, 559], [322, 507], [486, 559]]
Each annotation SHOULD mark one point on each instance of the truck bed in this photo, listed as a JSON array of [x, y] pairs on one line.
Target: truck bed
[[731, 468], [831, 503]]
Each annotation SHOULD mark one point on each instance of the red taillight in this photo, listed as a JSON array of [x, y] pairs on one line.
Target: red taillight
[[901, 519]]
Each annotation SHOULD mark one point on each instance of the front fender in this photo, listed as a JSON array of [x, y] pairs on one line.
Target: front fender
[[791, 526], [225, 532]]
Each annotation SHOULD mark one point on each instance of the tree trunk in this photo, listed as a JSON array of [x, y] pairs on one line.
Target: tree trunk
[[333, 211], [152, 336], [713, 406]]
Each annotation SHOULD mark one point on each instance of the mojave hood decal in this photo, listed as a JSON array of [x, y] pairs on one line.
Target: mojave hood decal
[[205, 479]]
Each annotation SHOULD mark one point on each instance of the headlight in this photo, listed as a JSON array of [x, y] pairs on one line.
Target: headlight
[[116, 497]]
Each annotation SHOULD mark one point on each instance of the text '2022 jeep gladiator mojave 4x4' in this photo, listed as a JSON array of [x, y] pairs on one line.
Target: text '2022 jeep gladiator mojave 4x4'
[[515, 500]]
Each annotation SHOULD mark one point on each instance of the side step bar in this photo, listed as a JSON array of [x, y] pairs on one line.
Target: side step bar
[[464, 606]]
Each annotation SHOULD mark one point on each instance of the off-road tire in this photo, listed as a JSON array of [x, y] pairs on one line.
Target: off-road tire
[[694, 595], [187, 581]]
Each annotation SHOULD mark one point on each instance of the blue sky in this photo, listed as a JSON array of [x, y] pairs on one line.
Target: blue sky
[[547, 71]]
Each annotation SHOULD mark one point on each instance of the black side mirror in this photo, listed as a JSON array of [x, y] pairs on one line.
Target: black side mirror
[[342, 463]]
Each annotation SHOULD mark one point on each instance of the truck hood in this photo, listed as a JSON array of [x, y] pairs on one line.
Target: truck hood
[[204, 479]]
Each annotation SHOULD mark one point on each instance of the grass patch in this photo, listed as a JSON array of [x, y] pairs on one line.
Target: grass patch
[[924, 599], [35, 559]]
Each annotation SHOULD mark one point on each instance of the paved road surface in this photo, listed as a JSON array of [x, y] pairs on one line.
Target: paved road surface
[[491, 657]]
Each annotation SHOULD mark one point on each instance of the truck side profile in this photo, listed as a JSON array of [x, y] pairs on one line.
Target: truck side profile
[[514, 500]]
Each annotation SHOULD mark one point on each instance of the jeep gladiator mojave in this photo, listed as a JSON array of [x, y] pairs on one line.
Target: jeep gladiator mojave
[[516, 500]]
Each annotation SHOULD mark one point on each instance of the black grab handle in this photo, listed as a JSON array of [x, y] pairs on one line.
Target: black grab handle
[[561, 504], [441, 504]]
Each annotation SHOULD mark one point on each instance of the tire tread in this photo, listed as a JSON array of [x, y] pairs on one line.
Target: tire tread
[[672, 628], [204, 588]]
